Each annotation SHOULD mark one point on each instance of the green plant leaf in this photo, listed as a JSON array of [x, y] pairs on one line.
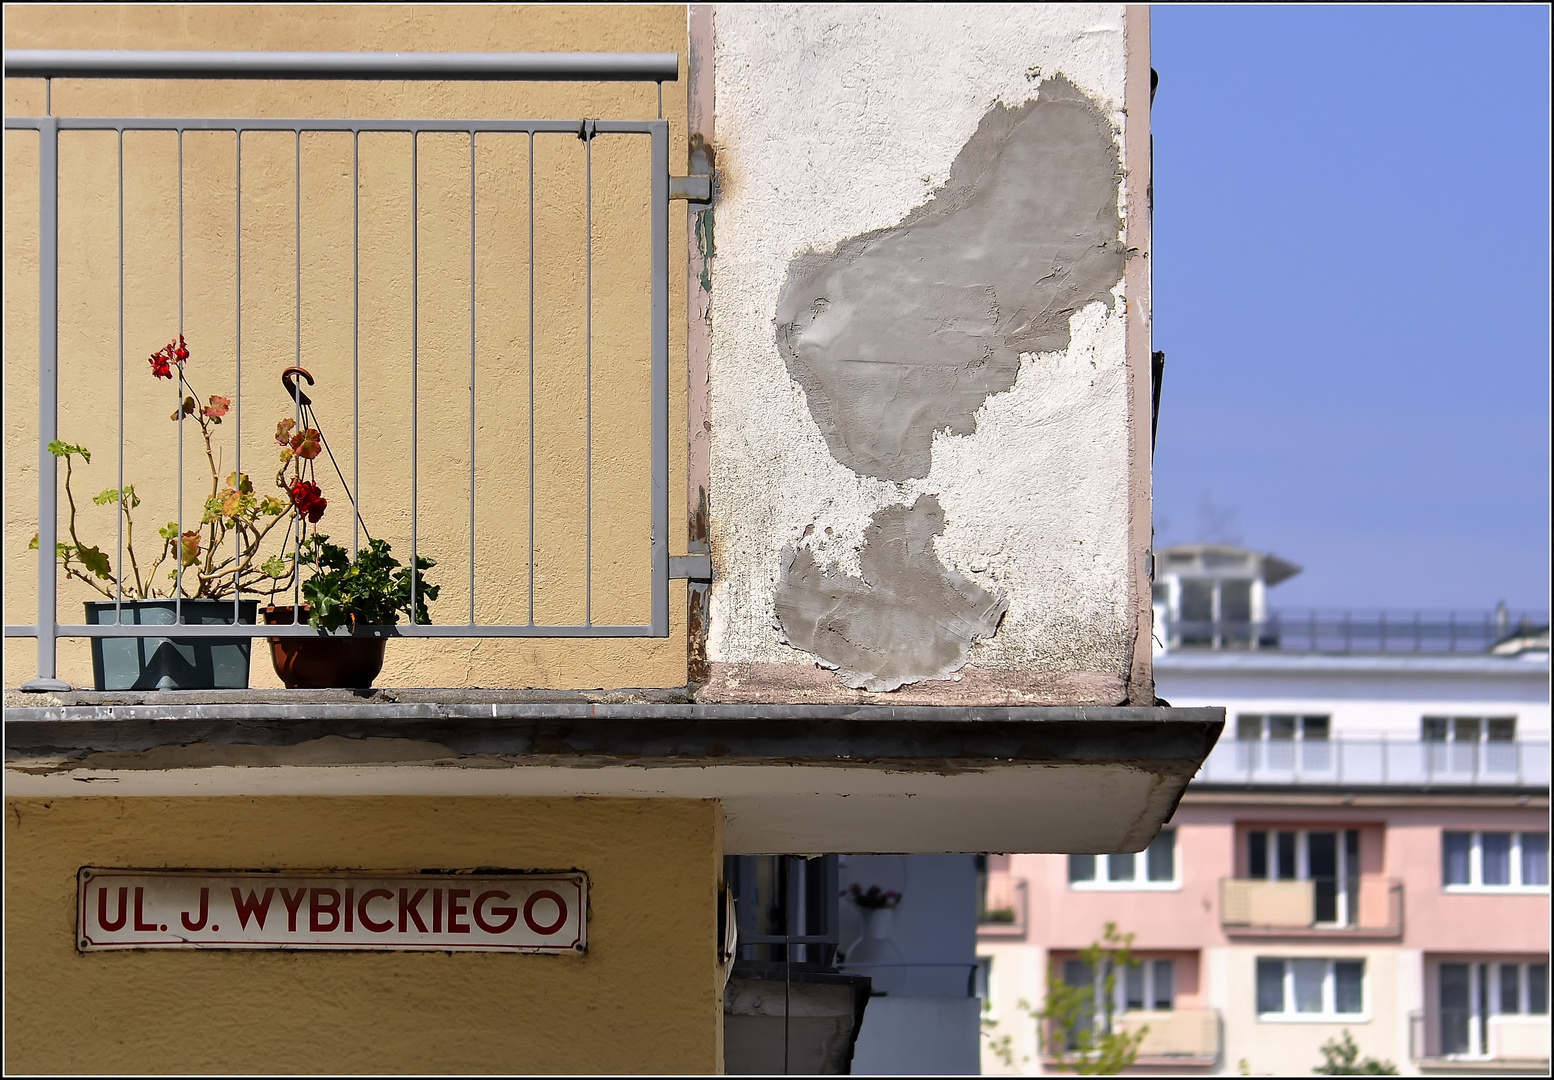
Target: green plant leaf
[[95, 561], [64, 449], [168, 531], [275, 566], [32, 545]]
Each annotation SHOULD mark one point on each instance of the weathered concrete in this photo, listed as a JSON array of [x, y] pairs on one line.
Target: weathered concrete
[[791, 778], [904, 332], [920, 291], [907, 617]]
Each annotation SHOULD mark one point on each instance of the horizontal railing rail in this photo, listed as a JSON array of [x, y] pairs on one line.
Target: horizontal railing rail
[[195, 64], [651, 419], [1359, 632], [1378, 762]]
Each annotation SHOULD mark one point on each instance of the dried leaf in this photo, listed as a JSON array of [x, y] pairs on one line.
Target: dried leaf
[[307, 444]]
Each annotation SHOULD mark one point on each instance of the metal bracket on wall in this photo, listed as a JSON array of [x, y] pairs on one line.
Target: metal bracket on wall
[[692, 567], [696, 188]]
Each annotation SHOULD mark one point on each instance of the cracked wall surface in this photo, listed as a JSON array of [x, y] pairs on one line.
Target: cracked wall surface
[[919, 382]]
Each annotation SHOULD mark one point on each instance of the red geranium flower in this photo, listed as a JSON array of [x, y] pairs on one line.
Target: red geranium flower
[[161, 364], [308, 500], [162, 361]]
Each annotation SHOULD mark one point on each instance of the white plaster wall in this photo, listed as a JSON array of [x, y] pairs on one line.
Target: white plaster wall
[[833, 120], [1371, 705]]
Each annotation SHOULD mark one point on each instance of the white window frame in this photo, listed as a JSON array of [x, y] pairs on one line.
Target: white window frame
[[1147, 969], [1303, 864], [1329, 1013], [1140, 881], [1475, 883], [1485, 974]]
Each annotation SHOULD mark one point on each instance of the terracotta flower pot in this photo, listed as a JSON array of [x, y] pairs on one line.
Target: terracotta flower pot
[[322, 663]]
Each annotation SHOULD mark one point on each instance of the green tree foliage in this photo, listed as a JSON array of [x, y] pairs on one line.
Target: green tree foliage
[[1076, 1029], [1342, 1058]]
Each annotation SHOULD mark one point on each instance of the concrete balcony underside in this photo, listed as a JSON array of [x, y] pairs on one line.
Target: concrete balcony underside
[[792, 778]]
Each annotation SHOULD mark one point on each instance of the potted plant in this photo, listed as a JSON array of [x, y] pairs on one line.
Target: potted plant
[[340, 591], [205, 582], [372, 589]]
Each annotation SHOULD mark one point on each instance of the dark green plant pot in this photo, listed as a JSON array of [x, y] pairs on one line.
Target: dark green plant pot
[[159, 663]]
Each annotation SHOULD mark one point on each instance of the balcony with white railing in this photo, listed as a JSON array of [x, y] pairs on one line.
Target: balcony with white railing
[[1363, 632], [1378, 763]]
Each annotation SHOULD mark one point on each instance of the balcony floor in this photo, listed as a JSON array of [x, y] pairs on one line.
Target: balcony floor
[[792, 778]]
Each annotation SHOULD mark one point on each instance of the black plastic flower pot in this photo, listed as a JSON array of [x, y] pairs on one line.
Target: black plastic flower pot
[[170, 663]]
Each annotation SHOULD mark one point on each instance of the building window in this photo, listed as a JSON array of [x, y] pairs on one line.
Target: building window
[[1215, 611], [1280, 741], [1329, 860], [1310, 989], [1147, 985], [1142, 986], [1471, 993], [1495, 861], [1153, 868], [1469, 744]]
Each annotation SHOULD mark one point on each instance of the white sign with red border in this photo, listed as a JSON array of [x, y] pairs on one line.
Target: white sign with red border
[[222, 909]]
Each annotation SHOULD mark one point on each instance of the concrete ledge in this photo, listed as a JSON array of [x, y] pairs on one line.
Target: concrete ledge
[[792, 778]]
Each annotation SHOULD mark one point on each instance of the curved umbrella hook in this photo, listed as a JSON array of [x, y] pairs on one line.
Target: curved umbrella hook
[[288, 380]]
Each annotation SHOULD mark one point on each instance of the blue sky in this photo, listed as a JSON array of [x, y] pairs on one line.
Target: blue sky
[[1351, 287]]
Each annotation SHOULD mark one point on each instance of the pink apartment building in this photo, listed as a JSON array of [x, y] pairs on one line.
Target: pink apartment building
[[1365, 850]]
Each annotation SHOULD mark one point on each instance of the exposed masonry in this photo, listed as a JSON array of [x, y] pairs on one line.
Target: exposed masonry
[[904, 332]]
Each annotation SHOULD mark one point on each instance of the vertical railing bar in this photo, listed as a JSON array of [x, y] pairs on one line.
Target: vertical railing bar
[[118, 592], [588, 376], [48, 395], [415, 323], [472, 376], [356, 333], [659, 396], [178, 387], [237, 406], [531, 378], [296, 580]]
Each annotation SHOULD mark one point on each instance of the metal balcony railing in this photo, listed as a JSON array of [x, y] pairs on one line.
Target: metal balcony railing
[[1176, 1037], [1359, 632], [1445, 1037], [1378, 762], [629, 433], [1258, 908]]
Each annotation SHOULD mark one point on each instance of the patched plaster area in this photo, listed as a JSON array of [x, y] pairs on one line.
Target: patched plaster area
[[1004, 469], [904, 617], [905, 331]]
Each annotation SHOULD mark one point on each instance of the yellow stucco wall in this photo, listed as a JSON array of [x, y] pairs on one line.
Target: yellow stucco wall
[[272, 324], [645, 998]]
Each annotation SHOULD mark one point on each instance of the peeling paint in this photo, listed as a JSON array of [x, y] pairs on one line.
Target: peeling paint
[[907, 618], [905, 331]]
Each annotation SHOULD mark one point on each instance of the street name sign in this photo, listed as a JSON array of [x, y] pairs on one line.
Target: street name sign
[[225, 909]]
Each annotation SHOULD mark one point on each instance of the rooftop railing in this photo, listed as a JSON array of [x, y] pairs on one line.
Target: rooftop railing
[[1360, 631], [1378, 762], [582, 510]]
